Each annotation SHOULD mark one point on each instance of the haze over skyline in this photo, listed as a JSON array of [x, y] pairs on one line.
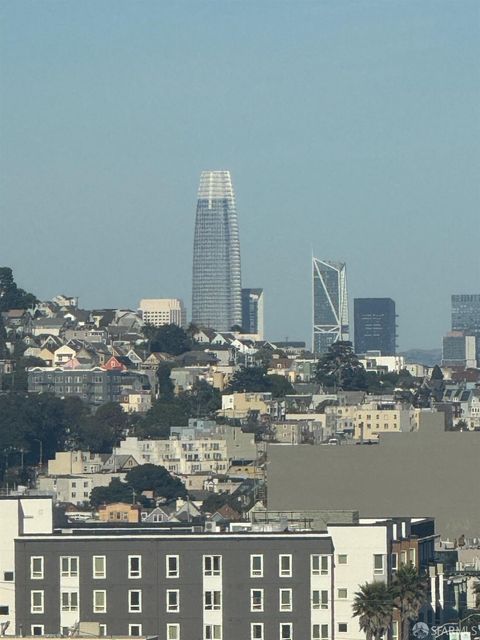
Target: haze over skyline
[[351, 129]]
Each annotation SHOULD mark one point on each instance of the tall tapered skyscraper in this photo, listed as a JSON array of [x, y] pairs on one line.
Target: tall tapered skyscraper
[[217, 281], [330, 304]]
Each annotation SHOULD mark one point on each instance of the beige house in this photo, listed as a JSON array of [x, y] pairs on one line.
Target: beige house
[[372, 419], [239, 405], [74, 462], [139, 402], [119, 512]]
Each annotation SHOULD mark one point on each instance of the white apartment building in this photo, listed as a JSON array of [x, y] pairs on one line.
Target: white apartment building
[[183, 457], [160, 311]]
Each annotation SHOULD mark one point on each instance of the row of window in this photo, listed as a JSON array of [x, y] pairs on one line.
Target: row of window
[[212, 631], [212, 600], [212, 566]]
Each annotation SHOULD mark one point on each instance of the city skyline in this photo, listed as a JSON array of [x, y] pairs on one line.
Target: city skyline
[[350, 145]]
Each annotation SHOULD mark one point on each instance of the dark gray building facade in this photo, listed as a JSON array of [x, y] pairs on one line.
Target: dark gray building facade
[[252, 311], [95, 386], [374, 325], [175, 585]]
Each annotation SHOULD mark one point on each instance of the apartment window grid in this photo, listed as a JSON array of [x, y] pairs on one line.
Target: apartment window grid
[[69, 600], [69, 566], [212, 632], [319, 599], [256, 599], [286, 631], [285, 566], [212, 601], [134, 567], [212, 565], [99, 601], [99, 567], [172, 566], [173, 631], [37, 602], [173, 600], [285, 600], [36, 568], [256, 631], [319, 565], [256, 566], [134, 601]]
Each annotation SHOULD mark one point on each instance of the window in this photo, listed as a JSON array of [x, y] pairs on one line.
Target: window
[[285, 603], [134, 629], [319, 632], [285, 566], [36, 602], [286, 631], [99, 601], [4, 609], [212, 600], [256, 631], [102, 629], [212, 565], [256, 566], [342, 559], [394, 629], [256, 599], [69, 566], [342, 594], [173, 632], [342, 627], [394, 561], [319, 565], [173, 600], [36, 567], [8, 576], [213, 632], [69, 600], [37, 629], [99, 567], [319, 599], [403, 557], [134, 601], [134, 566], [411, 555], [172, 566], [378, 563]]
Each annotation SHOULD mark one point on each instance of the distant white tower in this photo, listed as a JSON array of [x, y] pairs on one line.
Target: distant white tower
[[217, 281], [330, 304]]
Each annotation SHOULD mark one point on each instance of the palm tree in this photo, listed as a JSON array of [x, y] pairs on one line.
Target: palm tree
[[373, 605], [409, 591]]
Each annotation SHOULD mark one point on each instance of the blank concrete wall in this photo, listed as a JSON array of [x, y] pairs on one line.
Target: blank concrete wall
[[426, 473]]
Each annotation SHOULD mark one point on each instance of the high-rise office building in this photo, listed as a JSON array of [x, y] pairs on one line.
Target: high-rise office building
[[466, 316], [459, 350], [161, 311], [330, 304], [374, 325], [252, 311], [217, 286]]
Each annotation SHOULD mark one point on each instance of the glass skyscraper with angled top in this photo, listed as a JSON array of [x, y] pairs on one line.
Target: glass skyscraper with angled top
[[217, 280], [330, 304]]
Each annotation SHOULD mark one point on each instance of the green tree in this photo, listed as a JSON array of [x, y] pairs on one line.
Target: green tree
[[11, 297], [170, 338], [151, 477], [409, 590], [165, 384], [279, 386], [373, 605], [340, 368], [116, 491], [202, 399], [248, 379], [436, 373], [101, 431], [166, 412]]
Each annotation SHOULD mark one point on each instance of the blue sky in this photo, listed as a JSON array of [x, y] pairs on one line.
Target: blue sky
[[352, 128]]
